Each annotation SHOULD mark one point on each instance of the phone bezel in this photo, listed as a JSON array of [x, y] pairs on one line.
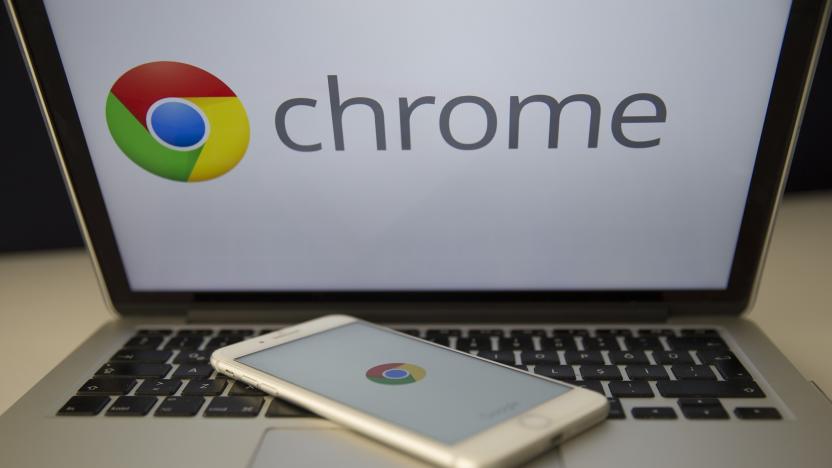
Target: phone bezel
[[569, 413]]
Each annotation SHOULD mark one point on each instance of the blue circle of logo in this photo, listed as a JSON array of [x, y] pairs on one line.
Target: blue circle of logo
[[177, 124], [396, 374]]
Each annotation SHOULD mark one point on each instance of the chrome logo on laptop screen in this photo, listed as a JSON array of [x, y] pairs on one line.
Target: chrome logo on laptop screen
[[177, 121]]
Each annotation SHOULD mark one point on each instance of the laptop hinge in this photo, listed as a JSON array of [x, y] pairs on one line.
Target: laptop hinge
[[448, 312]]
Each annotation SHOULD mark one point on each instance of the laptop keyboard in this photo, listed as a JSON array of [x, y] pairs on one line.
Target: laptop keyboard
[[646, 373]]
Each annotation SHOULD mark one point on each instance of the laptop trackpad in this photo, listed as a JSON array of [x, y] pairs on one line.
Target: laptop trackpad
[[325, 447]]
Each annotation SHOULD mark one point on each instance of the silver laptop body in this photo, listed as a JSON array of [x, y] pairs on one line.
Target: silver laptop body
[[572, 182]]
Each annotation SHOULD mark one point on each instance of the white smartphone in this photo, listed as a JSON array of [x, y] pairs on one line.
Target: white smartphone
[[444, 406]]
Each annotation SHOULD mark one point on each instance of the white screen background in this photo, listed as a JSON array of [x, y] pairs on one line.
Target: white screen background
[[436, 218]]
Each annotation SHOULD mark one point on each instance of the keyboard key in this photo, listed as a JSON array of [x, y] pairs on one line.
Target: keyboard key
[[283, 409], [484, 333], [583, 357], [654, 413], [555, 372], [141, 355], [631, 390], [194, 332], [600, 372], [440, 340], [503, 357], [699, 402], [184, 342], [672, 357], [158, 387], [757, 413], [601, 342], [726, 364], [539, 357], [616, 411], [154, 331], [131, 406], [715, 356], [473, 344], [143, 342], [266, 330], [640, 343], [656, 332], [237, 332], [613, 332], [244, 389], [732, 370], [593, 385], [211, 387], [704, 412], [677, 343], [628, 357], [193, 371], [222, 341], [129, 369], [646, 373], [566, 343], [517, 342], [234, 406], [84, 406], [114, 386], [692, 372], [570, 332], [180, 406], [192, 357], [446, 332], [528, 332], [709, 389]]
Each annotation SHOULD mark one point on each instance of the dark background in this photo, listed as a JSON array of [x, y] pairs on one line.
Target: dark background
[[36, 210]]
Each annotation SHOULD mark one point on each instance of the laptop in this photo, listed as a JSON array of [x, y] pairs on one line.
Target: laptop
[[582, 190]]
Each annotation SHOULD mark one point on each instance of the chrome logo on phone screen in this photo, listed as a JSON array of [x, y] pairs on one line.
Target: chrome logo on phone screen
[[177, 121], [396, 373]]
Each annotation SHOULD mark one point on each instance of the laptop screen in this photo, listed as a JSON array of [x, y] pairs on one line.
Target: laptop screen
[[465, 145]]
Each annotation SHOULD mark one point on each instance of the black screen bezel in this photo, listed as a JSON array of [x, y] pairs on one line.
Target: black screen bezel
[[805, 25]]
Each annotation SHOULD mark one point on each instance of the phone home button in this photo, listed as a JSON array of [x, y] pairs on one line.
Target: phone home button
[[534, 421]]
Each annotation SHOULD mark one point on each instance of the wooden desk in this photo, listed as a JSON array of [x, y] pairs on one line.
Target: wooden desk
[[50, 301]]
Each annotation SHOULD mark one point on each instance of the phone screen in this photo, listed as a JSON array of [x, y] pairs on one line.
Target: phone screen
[[435, 392]]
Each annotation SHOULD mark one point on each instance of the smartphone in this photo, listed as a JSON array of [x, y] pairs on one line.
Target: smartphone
[[444, 406]]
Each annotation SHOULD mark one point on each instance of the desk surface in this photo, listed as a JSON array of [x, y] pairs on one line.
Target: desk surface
[[50, 301]]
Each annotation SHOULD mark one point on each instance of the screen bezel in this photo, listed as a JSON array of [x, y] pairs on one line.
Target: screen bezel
[[806, 23]]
